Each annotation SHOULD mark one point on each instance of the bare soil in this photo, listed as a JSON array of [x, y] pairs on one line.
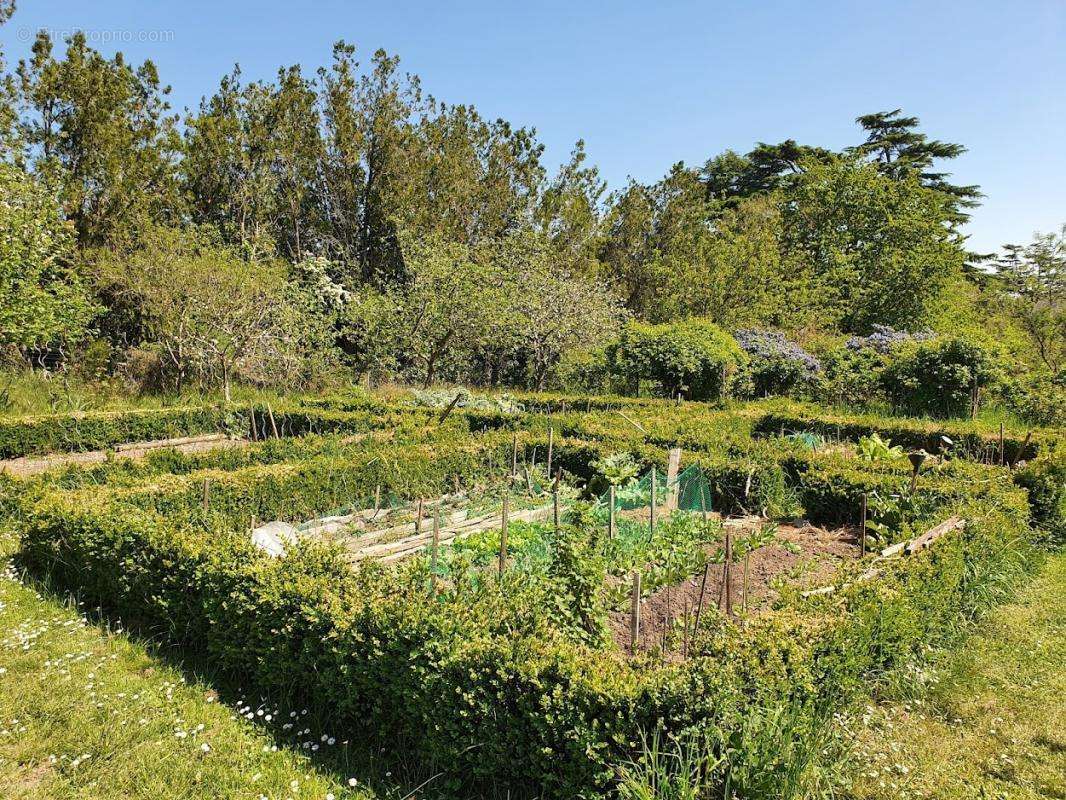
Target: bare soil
[[805, 556]]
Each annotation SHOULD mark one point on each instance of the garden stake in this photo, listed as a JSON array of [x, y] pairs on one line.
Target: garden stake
[[555, 501], [273, 425], [634, 614], [727, 573], [862, 531], [433, 554], [699, 605], [551, 442], [1002, 454], [251, 415], [610, 513], [503, 533], [377, 500], [514, 457], [418, 519]]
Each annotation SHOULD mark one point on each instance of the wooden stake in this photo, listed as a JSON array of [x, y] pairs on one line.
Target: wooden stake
[[273, 425], [555, 509], [251, 414], [634, 614], [433, 554], [699, 604], [744, 585], [727, 574], [610, 513], [377, 499], [551, 443], [651, 513], [418, 519], [207, 495], [503, 533], [514, 456], [1002, 454], [672, 468], [862, 530], [1020, 454]]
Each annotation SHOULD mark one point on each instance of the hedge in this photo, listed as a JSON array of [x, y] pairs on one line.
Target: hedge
[[480, 685], [972, 439], [99, 430]]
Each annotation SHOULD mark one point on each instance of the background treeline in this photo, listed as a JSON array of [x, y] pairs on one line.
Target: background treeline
[[346, 225]]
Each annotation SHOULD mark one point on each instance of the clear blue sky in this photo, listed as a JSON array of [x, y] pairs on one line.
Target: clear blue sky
[[650, 83]]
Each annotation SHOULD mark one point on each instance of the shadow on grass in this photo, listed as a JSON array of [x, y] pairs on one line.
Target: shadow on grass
[[387, 768]]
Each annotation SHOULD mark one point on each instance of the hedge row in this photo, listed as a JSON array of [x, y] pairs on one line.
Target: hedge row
[[480, 684], [99, 430], [972, 440]]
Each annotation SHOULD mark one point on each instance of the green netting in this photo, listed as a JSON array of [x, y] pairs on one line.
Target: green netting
[[689, 491]]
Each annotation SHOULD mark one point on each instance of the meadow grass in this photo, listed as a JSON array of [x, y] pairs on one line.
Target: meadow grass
[[991, 722], [88, 713]]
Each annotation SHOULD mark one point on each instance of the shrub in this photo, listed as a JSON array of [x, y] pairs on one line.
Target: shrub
[[884, 339], [851, 376], [939, 378], [693, 358], [1039, 399], [774, 364]]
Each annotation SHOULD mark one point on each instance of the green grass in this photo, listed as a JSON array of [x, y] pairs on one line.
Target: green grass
[[87, 712], [992, 723]]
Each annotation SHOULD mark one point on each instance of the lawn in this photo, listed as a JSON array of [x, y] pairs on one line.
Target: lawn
[[993, 721], [86, 712]]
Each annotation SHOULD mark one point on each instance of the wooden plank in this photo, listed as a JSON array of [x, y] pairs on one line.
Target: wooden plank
[[931, 535], [673, 465]]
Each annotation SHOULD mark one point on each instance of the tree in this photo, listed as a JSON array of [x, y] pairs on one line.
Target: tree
[[207, 310], [553, 308], [98, 129], [43, 301], [879, 249], [449, 306], [899, 149], [1033, 281], [730, 178]]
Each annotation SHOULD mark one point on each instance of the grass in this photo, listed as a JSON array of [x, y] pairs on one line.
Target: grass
[[86, 712], [992, 721]]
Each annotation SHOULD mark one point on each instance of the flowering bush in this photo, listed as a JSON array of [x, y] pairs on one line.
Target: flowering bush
[[775, 365], [884, 339]]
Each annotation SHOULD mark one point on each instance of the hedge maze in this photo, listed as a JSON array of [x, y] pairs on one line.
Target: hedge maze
[[490, 633]]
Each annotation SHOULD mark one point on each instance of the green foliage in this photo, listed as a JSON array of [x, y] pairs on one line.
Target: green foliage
[[43, 300], [692, 358], [1039, 399], [485, 669], [617, 468], [939, 378], [874, 448]]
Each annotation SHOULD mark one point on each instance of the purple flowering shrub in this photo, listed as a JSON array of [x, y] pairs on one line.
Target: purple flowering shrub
[[775, 364], [884, 339]]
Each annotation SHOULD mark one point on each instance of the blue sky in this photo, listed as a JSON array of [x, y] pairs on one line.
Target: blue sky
[[647, 84]]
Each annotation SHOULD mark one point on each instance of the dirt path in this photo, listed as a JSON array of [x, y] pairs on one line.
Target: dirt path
[[27, 465]]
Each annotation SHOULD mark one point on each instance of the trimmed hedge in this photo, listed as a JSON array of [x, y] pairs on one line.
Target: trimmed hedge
[[99, 430], [972, 439], [482, 681]]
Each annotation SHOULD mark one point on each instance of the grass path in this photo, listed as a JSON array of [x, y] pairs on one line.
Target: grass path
[[88, 714], [993, 724]]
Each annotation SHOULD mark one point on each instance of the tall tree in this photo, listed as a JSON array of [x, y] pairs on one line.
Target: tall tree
[[99, 129], [898, 148], [1033, 280]]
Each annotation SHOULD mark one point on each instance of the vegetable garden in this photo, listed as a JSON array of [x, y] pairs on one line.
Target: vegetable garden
[[520, 594]]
